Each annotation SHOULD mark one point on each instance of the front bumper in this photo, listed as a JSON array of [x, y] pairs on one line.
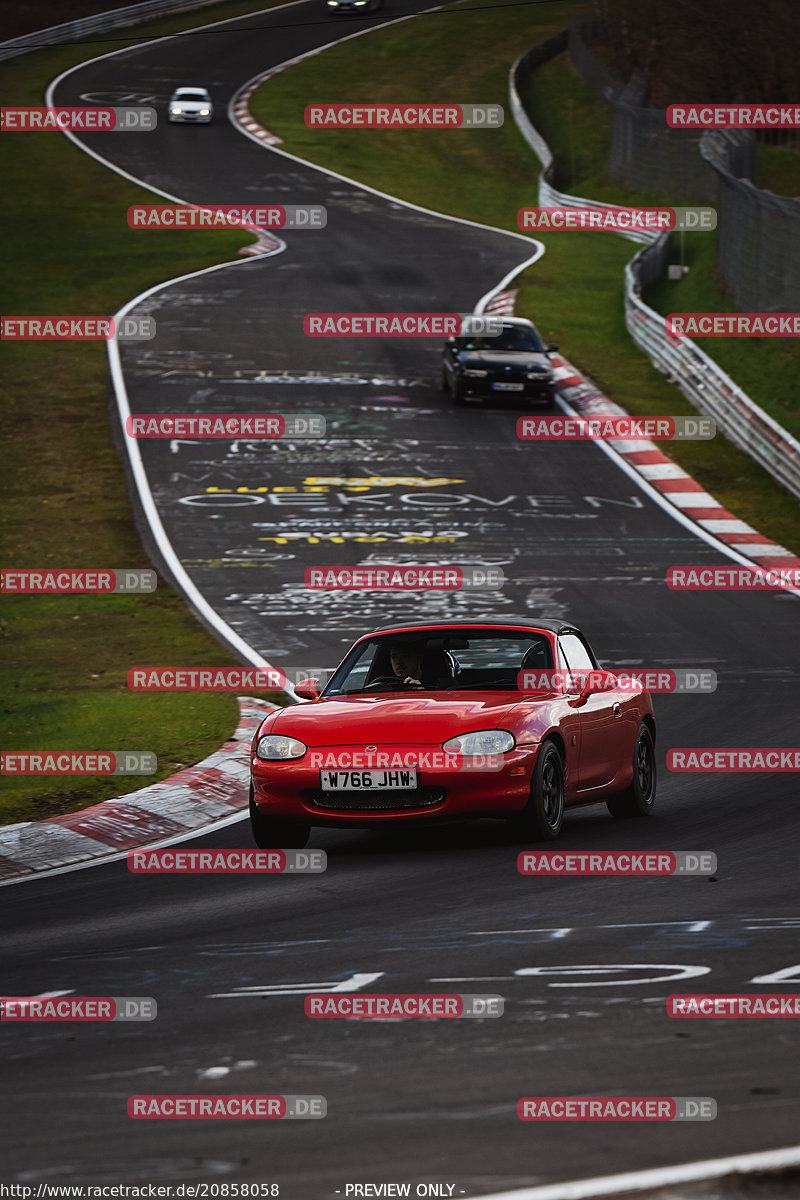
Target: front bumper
[[292, 789], [532, 391]]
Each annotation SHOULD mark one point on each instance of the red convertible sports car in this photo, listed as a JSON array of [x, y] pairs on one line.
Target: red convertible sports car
[[511, 719]]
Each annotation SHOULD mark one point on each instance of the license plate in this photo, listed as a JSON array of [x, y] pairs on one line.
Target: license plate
[[508, 387], [368, 781]]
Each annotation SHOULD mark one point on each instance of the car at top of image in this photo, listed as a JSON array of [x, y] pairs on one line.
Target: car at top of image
[[420, 723], [512, 365], [353, 7], [192, 105]]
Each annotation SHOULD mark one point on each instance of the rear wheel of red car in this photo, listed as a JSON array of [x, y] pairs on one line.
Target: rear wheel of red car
[[277, 833], [640, 797], [543, 815]]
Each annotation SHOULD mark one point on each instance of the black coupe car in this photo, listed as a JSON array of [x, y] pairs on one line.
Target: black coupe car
[[511, 365]]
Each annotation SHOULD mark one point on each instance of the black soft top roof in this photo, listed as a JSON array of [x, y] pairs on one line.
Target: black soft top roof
[[552, 626]]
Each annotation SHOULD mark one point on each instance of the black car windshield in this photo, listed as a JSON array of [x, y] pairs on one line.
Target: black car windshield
[[192, 95], [441, 660], [513, 337]]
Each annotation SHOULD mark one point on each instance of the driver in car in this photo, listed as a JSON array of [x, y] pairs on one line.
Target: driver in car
[[406, 660]]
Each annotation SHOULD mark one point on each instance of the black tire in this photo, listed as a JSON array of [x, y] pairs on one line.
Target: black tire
[[457, 393], [638, 800], [444, 382], [277, 833], [542, 817]]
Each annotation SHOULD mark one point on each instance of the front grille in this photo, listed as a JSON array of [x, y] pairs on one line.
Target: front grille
[[379, 801]]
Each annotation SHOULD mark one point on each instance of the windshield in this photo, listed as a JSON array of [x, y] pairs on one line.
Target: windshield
[[441, 660], [191, 95], [513, 337]]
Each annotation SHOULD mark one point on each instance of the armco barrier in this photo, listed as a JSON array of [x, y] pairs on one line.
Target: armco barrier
[[56, 35], [705, 383], [548, 195], [700, 379]]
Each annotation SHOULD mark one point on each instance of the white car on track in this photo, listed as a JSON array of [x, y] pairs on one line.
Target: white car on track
[[191, 104]]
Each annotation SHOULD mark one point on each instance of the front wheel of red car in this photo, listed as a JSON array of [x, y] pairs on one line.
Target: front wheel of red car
[[277, 833], [542, 817], [640, 797]]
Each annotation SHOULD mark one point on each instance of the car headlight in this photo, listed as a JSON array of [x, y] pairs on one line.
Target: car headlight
[[274, 748], [474, 373], [204, 112], [484, 741], [176, 111], [544, 376]]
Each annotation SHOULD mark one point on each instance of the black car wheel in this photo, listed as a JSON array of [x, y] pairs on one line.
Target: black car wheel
[[542, 817], [457, 392], [638, 800], [277, 833]]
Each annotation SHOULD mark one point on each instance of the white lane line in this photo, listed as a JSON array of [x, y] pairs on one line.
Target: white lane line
[[352, 984], [658, 1177]]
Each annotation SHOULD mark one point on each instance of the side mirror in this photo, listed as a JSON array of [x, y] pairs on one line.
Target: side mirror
[[551, 348], [307, 689], [598, 681]]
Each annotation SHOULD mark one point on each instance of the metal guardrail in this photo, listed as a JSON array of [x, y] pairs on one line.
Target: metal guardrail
[[700, 379], [707, 386], [117, 18], [549, 196]]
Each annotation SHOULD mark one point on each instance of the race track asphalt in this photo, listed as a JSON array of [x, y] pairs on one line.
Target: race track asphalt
[[439, 909]]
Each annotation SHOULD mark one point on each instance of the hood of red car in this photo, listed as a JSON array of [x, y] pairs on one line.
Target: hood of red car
[[363, 720]]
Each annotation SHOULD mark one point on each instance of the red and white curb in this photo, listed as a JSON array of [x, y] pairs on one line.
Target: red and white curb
[[240, 112], [502, 302], [239, 108], [197, 796], [675, 484], [644, 456]]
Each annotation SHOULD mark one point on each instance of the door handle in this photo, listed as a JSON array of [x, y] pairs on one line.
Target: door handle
[[615, 708]]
